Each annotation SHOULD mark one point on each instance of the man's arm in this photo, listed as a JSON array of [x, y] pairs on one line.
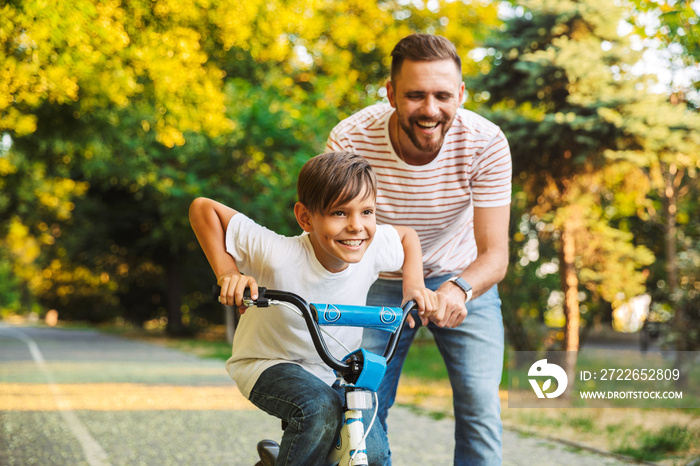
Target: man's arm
[[489, 268], [209, 220]]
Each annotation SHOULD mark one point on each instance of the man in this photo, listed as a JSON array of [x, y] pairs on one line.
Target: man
[[446, 172]]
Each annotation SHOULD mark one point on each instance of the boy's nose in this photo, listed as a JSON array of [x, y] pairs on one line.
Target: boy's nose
[[355, 223]]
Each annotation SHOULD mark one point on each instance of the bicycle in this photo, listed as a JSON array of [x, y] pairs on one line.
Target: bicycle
[[361, 371]]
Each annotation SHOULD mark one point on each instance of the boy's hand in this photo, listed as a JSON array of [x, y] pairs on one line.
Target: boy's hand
[[428, 307], [232, 286]]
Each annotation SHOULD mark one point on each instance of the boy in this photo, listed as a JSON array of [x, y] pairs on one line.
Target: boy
[[338, 257]]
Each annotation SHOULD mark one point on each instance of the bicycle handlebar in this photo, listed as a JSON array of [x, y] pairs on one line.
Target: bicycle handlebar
[[310, 315]]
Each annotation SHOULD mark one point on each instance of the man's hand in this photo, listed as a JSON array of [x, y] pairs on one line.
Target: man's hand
[[451, 301], [232, 286]]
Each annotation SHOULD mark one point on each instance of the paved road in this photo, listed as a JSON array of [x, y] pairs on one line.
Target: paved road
[[78, 397]]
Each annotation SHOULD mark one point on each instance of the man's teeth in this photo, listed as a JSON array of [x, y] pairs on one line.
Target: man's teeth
[[427, 124], [355, 242]]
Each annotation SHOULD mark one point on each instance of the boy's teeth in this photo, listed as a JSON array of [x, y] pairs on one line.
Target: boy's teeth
[[352, 242]]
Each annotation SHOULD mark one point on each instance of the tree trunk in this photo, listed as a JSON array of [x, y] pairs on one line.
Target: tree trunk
[[174, 298], [572, 312], [570, 287], [671, 230], [670, 245]]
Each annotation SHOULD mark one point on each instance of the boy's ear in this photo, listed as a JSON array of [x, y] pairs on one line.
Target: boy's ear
[[303, 216]]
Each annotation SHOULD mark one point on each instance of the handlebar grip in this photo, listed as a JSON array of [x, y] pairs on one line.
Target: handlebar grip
[[260, 302]]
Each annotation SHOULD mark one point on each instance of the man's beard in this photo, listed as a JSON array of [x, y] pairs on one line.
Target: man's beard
[[427, 146]]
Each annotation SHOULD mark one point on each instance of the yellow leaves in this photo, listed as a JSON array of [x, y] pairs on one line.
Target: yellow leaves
[[168, 135], [235, 20], [6, 167], [20, 243], [562, 118], [95, 54], [64, 279], [56, 194], [109, 52]]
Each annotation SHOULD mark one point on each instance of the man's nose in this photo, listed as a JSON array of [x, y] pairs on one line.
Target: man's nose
[[430, 106]]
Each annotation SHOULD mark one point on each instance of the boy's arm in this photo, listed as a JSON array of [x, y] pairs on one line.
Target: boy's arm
[[209, 220], [413, 281]]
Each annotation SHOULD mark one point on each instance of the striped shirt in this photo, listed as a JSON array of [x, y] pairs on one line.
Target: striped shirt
[[473, 168]]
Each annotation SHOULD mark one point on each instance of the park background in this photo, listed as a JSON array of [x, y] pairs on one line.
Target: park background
[[115, 115]]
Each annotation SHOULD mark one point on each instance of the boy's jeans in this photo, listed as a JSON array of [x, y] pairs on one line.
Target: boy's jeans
[[314, 412], [473, 354]]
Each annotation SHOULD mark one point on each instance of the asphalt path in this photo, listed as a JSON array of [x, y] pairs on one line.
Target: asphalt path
[[80, 397]]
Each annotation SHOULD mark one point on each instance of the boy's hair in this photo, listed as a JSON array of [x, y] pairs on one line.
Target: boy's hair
[[423, 47], [334, 178]]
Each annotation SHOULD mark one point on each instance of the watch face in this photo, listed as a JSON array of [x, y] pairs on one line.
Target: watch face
[[462, 283]]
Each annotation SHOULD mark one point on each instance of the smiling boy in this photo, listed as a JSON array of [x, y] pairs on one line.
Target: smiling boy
[[336, 260]]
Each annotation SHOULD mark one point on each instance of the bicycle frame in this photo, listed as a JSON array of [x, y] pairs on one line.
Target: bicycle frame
[[350, 448]]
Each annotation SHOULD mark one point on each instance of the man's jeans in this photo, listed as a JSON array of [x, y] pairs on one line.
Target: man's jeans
[[473, 354], [314, 413]]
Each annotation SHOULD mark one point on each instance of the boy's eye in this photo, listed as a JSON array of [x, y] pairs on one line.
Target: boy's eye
[[337, 213], [368, 212]]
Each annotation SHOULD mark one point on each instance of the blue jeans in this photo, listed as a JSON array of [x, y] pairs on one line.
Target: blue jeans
[[314, 413], [473, 354]]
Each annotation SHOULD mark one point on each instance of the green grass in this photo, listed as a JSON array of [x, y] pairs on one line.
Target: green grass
[[424, 362], [220, 350], [655, 446]]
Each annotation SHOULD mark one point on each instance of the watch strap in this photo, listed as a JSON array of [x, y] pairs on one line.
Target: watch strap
[[464, 286]]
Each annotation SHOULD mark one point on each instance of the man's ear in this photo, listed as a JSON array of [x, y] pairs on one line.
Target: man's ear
[[390, 93], [303, 216]]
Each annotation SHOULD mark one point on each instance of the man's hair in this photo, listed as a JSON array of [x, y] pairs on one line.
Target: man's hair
[[334, 178], [423, 47]]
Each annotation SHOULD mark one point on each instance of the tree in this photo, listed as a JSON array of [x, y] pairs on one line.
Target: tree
[[558, 82], [674, 26], [120, 113], [669, 155]]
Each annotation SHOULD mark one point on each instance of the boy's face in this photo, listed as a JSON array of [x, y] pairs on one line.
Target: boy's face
[[342, 235]]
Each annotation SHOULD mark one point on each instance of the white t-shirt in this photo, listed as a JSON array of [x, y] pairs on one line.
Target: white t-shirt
[[274, 335], [472, 169]]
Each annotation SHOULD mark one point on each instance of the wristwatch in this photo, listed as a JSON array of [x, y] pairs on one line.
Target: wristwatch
[[463, 285]]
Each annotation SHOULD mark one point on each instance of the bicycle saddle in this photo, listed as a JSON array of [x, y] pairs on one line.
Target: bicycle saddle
[[268, 451]]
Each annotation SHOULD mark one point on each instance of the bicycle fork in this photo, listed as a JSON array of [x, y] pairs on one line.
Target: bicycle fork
[[350, 448]]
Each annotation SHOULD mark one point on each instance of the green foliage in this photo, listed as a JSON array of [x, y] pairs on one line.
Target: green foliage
[[558, 88], [678, 25], [121, 113]]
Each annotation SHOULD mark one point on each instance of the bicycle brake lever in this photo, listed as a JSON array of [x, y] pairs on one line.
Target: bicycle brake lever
[[262, 301]]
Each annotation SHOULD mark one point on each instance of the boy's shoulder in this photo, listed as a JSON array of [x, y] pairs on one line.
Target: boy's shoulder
[[386, 236], [243, 231]]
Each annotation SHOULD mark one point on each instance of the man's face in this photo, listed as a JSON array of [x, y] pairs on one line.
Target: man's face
[[426, 96]]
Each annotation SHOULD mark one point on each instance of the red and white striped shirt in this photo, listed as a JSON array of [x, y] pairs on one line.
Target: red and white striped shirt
[[473, 168]]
